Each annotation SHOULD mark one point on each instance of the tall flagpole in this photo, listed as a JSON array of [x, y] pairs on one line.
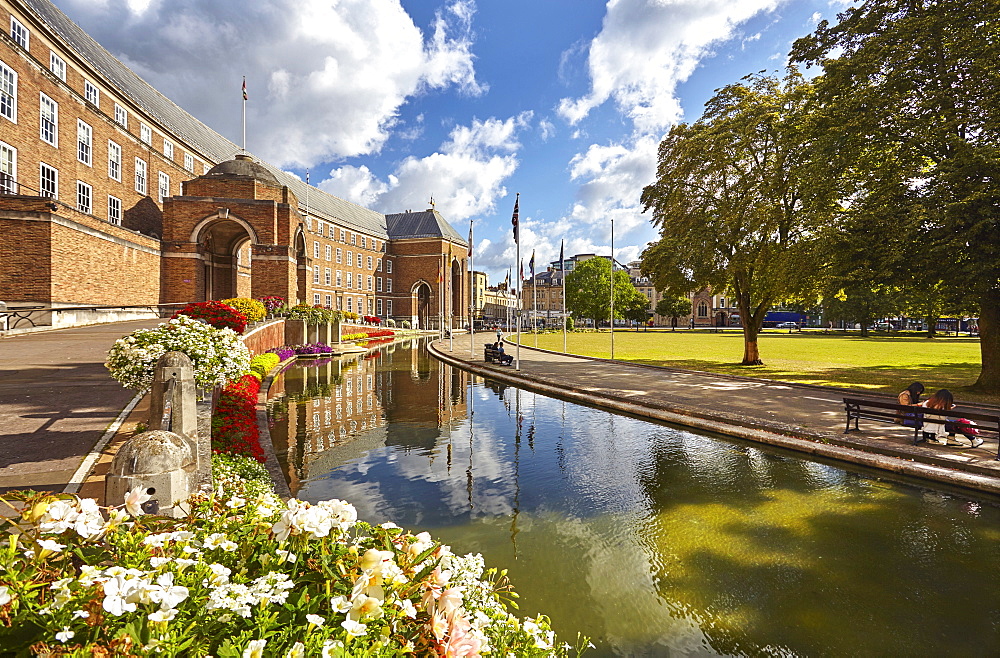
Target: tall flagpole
[[472, 299], [517, 261], [451, 303], [534, 299], [562, 271], [244, 114], [612, 289]]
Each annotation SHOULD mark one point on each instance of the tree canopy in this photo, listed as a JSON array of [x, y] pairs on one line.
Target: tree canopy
[[588, 291], [735, 200]]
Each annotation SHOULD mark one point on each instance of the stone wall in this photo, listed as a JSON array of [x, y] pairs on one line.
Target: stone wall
[[265, 337]]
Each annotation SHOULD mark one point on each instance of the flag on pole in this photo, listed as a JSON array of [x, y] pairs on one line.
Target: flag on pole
[[522, 269], [470, 238], [244, 87], [562, 261], [440, 272], [531, 264], [513, 219]]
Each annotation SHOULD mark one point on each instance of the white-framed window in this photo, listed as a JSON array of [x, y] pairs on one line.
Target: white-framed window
[[114, 210], [328, 276], [343, 235], [722, 302], [357, 280], [388, 285], [8, 92], [340, 307], [315, 249], [168, 149], [370, 261], [57, 65], [702, 310], [189, 162], [48, 120], [84, 142], [369, 281], [140, 175], [350, 258], [361, 260], [354, 238], [340, 278], [364, 242], [91, 93], [378, 264], [8, 169], [164, 186], [330, 231], [340, 255], [121, 116], [84, 197], [48, 181], [145, 134], [378, 307], [316, 303], [388, 307], [205, 168], [388, 267], [315, 273], [114, 161], [19, 33], [350, 308], [329, 301], [329, 252], [350, 280], [378, 284], [371, 309]]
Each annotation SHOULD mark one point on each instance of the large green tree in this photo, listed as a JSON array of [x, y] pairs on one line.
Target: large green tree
[[915, 87], [736, 200], [673, 308], [588, 291]]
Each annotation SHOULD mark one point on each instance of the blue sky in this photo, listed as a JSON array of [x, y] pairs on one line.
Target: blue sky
[[387, 102]]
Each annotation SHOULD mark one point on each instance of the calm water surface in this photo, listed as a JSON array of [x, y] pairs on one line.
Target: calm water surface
[[651, 540]]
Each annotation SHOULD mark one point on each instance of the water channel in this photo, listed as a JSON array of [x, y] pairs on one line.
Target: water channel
[[650, 539]]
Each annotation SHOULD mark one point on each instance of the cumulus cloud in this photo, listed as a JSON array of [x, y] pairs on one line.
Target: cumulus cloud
[[647, 47], [326, 78], [465, 175]]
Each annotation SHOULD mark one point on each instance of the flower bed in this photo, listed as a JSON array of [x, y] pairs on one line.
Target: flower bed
[[216, 314], [261, 364], [310, 349], [253, 309], [245, 574], [234, 422], [218, 355], [284, 352]]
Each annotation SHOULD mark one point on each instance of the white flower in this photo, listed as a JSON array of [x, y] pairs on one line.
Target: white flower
[[120, 595], [287, 556], [65, 635], [5, 597], [340, 603], [298, 650], [389, 525], [407, 607], [354, 628], [330, 646], [134, 500], [255, 649], [157, 562], [162, 615], [315, 620], [81, 614]]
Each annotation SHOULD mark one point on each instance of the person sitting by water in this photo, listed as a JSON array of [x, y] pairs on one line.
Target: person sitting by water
[[910, 397], [941, 431], [505, 359]]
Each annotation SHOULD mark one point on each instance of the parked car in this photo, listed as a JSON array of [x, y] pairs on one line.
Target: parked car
[[883, 326], [787, 325]]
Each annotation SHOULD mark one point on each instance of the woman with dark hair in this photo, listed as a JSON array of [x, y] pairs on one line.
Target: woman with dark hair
[[938, 430], [910, 396]]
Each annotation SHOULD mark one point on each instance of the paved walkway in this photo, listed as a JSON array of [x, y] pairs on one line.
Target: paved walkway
[[56, 401], [799, 417]]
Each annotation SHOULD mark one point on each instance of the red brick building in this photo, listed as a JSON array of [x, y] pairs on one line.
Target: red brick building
[[112, 194]]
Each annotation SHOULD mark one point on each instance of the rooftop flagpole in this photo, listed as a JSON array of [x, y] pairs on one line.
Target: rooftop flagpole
[[244, 114], [517, 259], [562, 273], [472, 305], [612, 289]]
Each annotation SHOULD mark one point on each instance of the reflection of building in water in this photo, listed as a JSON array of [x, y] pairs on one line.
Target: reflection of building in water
[[340, 401]]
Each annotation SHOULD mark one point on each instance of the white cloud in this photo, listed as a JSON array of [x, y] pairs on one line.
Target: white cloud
[[326, 78], [465, 175], [647, 47]]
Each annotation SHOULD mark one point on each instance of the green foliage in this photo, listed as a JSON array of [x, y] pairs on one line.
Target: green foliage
[[673, 307], [261, 364], [570, 324], [314, 315], [736, 201], [588, 290]]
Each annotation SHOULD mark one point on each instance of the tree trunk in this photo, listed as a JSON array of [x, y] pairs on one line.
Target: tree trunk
[[751, 355], [931, 326], [989, 342]]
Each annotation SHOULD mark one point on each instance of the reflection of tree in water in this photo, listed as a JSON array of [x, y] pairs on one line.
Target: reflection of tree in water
[[804, 568]]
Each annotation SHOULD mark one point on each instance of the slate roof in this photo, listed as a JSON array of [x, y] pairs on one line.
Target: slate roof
[[213, 146], [423, 224]]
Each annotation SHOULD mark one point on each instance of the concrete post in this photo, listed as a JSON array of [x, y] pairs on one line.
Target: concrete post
[[160, 462], [295, 332], [337, 331], [173, 407]]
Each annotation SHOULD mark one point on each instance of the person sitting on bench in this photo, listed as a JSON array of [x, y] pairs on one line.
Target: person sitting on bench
[[505, 359]]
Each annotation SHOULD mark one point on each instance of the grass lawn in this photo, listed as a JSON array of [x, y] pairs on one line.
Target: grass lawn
[[884, 364]]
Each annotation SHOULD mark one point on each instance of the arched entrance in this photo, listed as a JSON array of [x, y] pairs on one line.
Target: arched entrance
[[225, 245], [458, 302], [421, 300], [302, 266]]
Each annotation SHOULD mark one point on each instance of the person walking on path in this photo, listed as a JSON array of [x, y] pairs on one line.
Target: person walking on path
[[499, 335]]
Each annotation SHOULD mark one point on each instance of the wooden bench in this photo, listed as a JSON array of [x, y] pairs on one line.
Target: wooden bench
[[987, 425], [493, 355]]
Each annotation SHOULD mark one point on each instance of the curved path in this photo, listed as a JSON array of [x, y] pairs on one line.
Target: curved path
[[56, 401], [799, 417]]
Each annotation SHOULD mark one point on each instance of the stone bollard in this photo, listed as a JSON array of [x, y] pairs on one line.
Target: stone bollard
[[159, 461], [173, 407]]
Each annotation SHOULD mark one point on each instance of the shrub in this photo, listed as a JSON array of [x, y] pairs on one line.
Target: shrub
[[217, 314], [284, 352], [357, 336], [272, 303], [218, 355], [313, 348], [570, 325], [261, 364], [315, 314], [389, 322], [405, 324], [253, 309]]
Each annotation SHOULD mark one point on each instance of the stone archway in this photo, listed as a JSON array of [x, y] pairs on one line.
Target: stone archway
[[458, 302], [421, 304], [302, 266], [225, 246]]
